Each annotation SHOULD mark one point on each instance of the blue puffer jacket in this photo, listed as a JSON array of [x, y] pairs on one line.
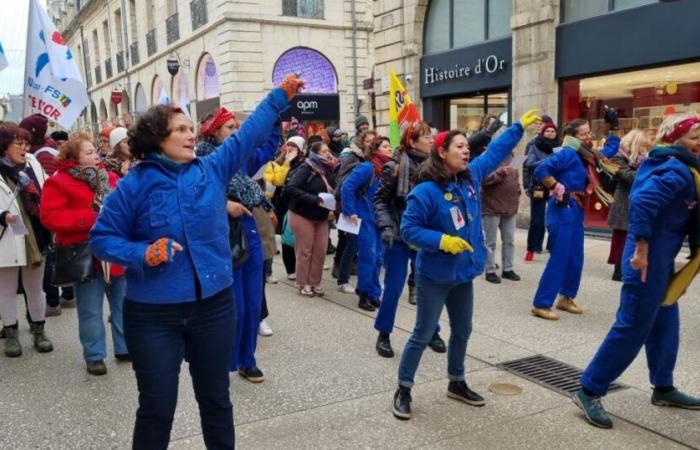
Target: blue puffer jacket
[[189, 206], [429, 215], [357, 192]]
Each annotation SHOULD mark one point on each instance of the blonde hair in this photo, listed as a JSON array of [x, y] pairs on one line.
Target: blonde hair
[[635, 144], [670, 123]]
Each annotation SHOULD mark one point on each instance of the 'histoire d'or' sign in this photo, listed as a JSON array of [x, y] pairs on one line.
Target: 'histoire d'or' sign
[[484, 66]]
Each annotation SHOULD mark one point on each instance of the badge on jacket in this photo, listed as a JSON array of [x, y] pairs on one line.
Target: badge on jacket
[[457, 218]]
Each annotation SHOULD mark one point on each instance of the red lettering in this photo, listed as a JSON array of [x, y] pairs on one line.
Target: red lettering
[[55, 114]]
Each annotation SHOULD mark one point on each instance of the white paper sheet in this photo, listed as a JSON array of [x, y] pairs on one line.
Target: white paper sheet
[[327, 200], [345, 225], [18, 228]]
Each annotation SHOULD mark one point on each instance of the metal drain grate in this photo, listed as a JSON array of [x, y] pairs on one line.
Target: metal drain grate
[[549, 373]]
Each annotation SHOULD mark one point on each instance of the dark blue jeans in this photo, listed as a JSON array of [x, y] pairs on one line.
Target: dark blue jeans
[[159, 337], [346, 258], [535, 234]]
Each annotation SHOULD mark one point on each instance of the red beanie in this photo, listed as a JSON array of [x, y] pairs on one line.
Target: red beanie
[[548, 125], [37, 125], [221, 116], [440, 138]]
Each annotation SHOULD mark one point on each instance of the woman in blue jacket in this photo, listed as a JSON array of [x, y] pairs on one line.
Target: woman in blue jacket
[[167, 224], [443, 220], [357, 195], [566, 175], [663, 207]]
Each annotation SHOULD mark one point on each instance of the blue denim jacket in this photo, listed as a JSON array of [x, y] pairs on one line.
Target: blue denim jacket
[[188, 206], [430, 214]]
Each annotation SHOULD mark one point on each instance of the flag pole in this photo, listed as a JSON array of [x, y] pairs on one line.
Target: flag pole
[[26, 49]]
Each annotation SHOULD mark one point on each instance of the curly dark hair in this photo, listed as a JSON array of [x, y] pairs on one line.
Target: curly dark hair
[[433, 168], [151, 129], [10, 132]]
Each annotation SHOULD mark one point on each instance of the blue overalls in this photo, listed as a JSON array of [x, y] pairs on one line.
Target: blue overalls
[[443, 279], [661, 201], [357, 194]]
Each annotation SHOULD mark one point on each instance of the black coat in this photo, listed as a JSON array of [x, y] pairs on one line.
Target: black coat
[[388, 207], [624, 178], [302, 189]]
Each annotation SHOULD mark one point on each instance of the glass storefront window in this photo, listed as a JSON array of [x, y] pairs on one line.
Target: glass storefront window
[[437, 31], [580, 9], [466, 113], [499, 18], [468, 17], [626, 4]]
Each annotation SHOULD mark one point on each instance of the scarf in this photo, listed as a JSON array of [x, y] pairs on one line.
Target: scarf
[[164, 161], [403, 185], [378, 162], [243, 189], [98, 180], [595, 164], [546, 145], [321, 166], [206, 147]]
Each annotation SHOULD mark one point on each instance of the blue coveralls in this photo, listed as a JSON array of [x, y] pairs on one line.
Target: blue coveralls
[[443, 279], [562, 274], [357, 194], [661, 201]]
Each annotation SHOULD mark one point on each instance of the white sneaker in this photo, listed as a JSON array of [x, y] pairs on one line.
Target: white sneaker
[[292, 276], [264, 328], [272, 280], [346, 288]]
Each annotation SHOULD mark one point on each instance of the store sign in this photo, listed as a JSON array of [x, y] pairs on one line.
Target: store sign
[[480, 67], [314, 107], [116, 97], [487, 66], [173, 66]]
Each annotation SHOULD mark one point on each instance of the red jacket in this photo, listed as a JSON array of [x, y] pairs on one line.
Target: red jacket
[[65, 208]]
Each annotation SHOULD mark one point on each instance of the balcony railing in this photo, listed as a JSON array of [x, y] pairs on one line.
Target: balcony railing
[[151, 47], [120, 61], [108, 68], [172, 29], [98, 75], [134, 51], [198, 11]]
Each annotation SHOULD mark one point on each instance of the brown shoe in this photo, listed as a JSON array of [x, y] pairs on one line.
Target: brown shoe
[[567, 304], [545, 313]]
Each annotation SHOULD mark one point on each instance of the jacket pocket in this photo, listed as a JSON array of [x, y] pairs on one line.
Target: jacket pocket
[[438, 266], [158, 216]]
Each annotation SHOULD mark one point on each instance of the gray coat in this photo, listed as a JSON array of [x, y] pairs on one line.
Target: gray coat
[[533, 157], [617, 216]]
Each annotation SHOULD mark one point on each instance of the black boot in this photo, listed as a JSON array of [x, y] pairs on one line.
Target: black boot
[[437, 344], [617, 273], [365, 303], [402, 403], [384, 346]]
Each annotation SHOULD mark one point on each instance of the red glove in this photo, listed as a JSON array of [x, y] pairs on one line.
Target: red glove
[[291, 85], [161, 251]]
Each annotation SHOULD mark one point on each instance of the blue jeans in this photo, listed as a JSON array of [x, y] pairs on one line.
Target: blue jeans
[[248, 290], [430, 298], [369, 261], [535, 233], [346, 258], [160, 336], [90, 300]]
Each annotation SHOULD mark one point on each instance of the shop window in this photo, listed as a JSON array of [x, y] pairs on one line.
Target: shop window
[[467, 113], [459, 23], [310, 9], [577, 9]]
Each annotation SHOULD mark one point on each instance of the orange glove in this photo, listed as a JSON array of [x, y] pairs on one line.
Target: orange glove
[[291, 85], [161, 251]]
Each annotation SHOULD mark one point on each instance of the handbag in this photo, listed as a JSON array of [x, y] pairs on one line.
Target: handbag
[[287, 237], [238, 242], [73, 264]]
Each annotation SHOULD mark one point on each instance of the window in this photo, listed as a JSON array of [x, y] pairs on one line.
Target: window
[[459, 23], [118, 29], [577, 9], [310, 9], [107, 38], [467, 113], [132, 21]]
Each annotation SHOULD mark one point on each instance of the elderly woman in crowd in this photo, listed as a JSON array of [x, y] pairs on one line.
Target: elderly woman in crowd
[[22, 252], [69, 207], [167, 224]]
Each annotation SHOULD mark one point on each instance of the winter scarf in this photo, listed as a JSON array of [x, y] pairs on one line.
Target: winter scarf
[[206, 147], [243, 189], [404, 180], [322, 167], [546, 145], [98, 180], [164, 160], [378, 161], [595, 164]]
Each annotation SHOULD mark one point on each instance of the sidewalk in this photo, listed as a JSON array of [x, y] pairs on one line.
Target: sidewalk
[[327, 388]]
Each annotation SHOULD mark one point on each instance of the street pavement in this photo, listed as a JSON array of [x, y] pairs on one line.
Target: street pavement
[[327, 388]]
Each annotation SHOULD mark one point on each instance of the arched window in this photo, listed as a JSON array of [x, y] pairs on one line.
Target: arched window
[[159, 95], [103, 111], [207, 78], [180, 92], [140, 101], [316, 69], [460, 23]]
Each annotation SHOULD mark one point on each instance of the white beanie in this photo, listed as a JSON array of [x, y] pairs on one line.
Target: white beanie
[[116, 136], [298, 141]]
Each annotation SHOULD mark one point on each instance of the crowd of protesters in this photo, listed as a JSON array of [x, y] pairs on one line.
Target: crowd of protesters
[[149, 207]]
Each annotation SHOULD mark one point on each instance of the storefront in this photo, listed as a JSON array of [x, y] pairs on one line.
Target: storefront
[[465, 74], [644, 75]]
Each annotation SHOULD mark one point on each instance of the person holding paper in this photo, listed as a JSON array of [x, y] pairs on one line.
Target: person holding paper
[[309, 218], [443, 220], [357, 196], [23, 239]]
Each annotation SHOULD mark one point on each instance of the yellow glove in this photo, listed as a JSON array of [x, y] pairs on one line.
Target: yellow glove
[[530, 118], [454, 244]]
